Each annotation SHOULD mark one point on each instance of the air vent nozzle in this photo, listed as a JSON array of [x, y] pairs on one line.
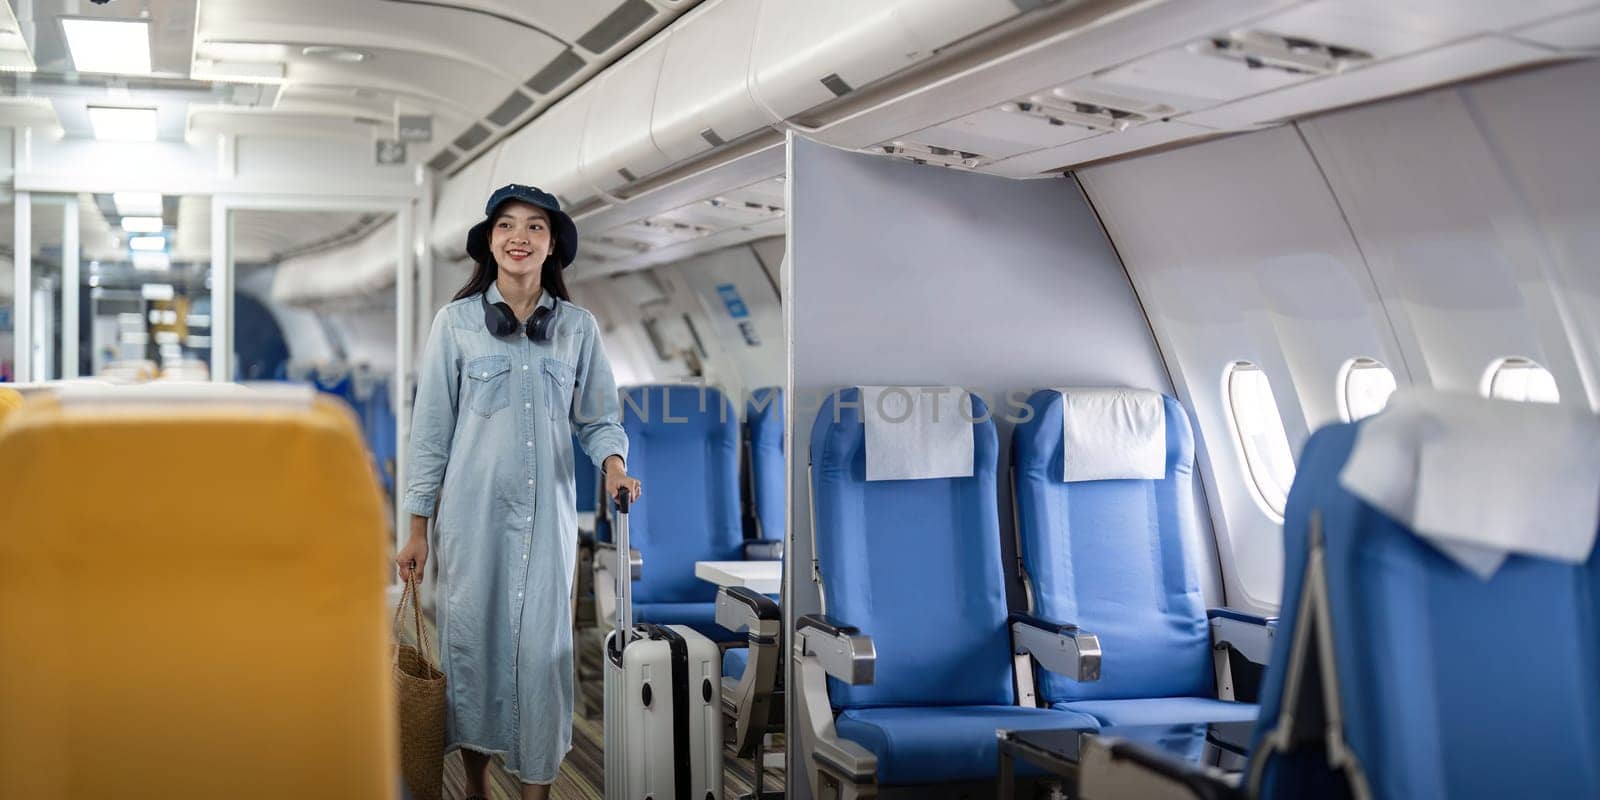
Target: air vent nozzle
[[1296, 55]]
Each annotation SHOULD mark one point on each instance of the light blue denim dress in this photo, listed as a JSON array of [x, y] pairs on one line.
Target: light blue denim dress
[[491, 442]]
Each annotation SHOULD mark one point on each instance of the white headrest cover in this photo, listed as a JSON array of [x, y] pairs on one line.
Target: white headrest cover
[[1480, 478], [1113, 434], [185, 394], [917, 432]]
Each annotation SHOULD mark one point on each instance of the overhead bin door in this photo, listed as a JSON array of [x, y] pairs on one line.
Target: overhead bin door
[[808, 52], [617, 148], [461, 203], [545, 152], [703, 98]]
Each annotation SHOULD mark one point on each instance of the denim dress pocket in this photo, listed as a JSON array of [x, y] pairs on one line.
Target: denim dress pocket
[[488, 384], [558, 388]]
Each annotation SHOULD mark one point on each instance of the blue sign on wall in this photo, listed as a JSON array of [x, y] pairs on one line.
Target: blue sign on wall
[[731, 299]]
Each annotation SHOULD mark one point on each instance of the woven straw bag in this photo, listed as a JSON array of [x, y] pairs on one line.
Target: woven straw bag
[[420, 685]]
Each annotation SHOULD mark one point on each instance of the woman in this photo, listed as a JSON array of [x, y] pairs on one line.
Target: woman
[[511, 369]]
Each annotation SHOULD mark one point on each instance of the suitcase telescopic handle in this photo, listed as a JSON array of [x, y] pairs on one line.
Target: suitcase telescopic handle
[[624, 576]]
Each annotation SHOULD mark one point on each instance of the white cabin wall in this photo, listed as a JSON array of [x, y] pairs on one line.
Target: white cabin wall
[[916, 275], [1239, 253], [740, 364], [1470, 269], [367, 335], [1435, 233]]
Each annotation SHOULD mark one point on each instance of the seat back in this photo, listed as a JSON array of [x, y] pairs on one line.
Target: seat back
[[1435, 666], [915, 564], [763, 428], [683, 446], [1109, 556], [194, 603], [10, 400]]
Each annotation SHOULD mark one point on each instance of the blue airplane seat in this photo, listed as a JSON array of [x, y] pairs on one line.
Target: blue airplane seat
[[734, 661], [380, 423], [764, 431], [1108, 555], [586, 478], [1450, 685], [916, 566], [683, 445]]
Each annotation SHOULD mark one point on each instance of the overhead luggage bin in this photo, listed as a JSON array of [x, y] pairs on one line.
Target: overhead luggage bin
[[616, 146], [808, 53], [461, 204], [703, 98], [348, 271], [545, 153]]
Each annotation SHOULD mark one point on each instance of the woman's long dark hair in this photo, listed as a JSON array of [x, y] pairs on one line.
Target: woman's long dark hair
[[549, 276]]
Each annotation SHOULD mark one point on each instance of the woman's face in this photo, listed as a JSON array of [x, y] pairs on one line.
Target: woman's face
[[520, 238]]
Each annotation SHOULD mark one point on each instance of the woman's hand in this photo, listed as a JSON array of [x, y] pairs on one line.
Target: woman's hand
[[617, 479], [414, 556]]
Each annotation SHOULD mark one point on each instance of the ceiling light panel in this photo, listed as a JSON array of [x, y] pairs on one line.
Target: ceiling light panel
[[114, 124], [147, 244], [137, 204], [14, 54], [143, 224], [117, 46]]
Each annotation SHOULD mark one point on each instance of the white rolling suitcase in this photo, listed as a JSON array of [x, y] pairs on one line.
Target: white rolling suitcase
[[663, 695]]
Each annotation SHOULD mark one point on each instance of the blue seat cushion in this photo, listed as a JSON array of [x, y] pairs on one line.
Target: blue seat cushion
[[699, 616], [734, 660], [1162, 710], [934, 744]]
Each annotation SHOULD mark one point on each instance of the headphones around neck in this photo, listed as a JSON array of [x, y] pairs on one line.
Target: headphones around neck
[[502, 321]]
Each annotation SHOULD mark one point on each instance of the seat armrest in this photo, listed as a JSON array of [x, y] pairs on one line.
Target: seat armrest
[[605, 557], [1111, 767], [739, 608], [763, 551], [844, 652], [1061, 648], [1248, 634]]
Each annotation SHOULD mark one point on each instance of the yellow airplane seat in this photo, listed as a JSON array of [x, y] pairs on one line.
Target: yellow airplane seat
[[10, 400], [192, 599]]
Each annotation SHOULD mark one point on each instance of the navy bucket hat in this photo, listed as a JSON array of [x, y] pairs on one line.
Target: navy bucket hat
[[564, 229]]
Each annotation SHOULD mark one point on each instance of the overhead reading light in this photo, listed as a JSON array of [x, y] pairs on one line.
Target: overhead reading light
[[119, 46], [137, 204], [343, 55], [143, 224], [112, 124], [148, 244]]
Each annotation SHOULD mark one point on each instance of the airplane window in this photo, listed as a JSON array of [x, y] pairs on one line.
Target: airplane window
[[1260, 435], [1365, 388], [1521, 380]]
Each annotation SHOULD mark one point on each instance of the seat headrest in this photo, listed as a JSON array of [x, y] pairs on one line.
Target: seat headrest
[[677, 408], [1481, 479], [1113, 434], [917, 432]]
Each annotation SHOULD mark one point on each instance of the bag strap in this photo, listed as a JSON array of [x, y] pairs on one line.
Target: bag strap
[[412, 591]]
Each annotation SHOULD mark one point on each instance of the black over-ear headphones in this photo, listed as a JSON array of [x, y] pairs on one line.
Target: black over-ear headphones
[[502, 321]]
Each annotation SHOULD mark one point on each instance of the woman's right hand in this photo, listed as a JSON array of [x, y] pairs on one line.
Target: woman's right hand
[[414, 556]]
